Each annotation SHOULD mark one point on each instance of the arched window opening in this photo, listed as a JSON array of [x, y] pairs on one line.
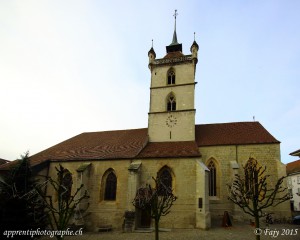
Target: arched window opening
[[171, 77], [65, 180], [212, 185], [110, 187], [165, 179], [171, 103]]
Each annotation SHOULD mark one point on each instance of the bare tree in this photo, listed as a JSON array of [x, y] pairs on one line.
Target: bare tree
[[157, 201], [252, 193], [19, 208], [60, 212]]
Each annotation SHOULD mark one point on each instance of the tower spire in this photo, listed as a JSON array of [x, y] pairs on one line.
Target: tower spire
[[174, 41], [174, 46]]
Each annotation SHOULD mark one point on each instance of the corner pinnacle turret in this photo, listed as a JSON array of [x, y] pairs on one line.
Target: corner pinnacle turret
[[151, 55], [194, 49]]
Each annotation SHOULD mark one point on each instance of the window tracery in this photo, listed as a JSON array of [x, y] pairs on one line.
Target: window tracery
[[171, 77], [212, 179], [171, 102], [110, 186]]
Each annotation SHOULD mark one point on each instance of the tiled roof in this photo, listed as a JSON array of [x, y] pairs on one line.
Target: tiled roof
[[130, 144], [237, 133], [96, 146], [293, 167], [2, 161], [170, 149], [174, 54], [9, 165]]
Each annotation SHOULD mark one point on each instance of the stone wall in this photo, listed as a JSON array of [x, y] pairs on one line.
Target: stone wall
[[184, 92], [189, 184], [184, 175], [225, 156], [185, 73], [184, 186], [184, 130], [101, 212]]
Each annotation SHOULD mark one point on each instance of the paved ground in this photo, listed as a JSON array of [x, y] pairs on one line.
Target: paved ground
[[237, 232]]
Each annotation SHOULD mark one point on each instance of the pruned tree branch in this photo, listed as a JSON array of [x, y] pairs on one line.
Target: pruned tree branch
[[252, 194], [157, 201]]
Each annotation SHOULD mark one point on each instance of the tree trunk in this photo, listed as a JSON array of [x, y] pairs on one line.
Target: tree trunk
[[257, 226], [156, 229]]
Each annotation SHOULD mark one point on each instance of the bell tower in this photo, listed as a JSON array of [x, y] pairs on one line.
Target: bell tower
[[171, 116]]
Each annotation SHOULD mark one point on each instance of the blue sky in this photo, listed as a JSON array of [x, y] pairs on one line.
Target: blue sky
[[68, 67]]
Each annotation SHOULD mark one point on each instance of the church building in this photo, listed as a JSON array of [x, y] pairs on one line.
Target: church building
[[196, 160]]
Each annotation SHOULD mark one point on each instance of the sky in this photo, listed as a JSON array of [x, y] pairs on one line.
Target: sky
[[74, 66]]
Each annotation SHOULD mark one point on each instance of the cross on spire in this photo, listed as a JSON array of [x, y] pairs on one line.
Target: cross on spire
[[175, 15]]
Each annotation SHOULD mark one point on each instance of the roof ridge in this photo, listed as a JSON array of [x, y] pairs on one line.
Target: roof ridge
[[201, 124], [293, 162], [118, 130]]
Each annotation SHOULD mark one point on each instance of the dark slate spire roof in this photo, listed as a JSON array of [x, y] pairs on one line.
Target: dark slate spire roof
[[152, 51], [174, 46], [174, 40], [194, 43]]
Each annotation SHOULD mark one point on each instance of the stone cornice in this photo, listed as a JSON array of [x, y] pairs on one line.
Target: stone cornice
[[186, 110], [166, 61], [174, 85]]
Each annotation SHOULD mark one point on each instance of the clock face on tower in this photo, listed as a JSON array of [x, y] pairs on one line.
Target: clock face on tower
[[171, 121]]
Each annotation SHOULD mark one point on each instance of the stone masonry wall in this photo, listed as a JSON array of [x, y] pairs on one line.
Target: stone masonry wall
[[182, 213], [265, 154], [112, 212]]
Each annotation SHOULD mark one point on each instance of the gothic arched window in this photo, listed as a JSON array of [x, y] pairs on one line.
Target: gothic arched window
[[165, 178], [212, 179], [171, 102], [65, 180], [171, 76], [110, 186]]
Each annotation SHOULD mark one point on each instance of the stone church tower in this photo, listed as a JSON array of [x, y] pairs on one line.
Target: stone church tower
[[172, 92]]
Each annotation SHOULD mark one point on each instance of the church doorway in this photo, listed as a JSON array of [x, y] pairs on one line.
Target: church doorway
[[145, 219]]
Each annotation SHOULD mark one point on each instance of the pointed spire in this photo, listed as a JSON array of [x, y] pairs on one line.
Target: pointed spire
[[195, 44], [174, 46], [194, 50], [174, 41], [151, 51]]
